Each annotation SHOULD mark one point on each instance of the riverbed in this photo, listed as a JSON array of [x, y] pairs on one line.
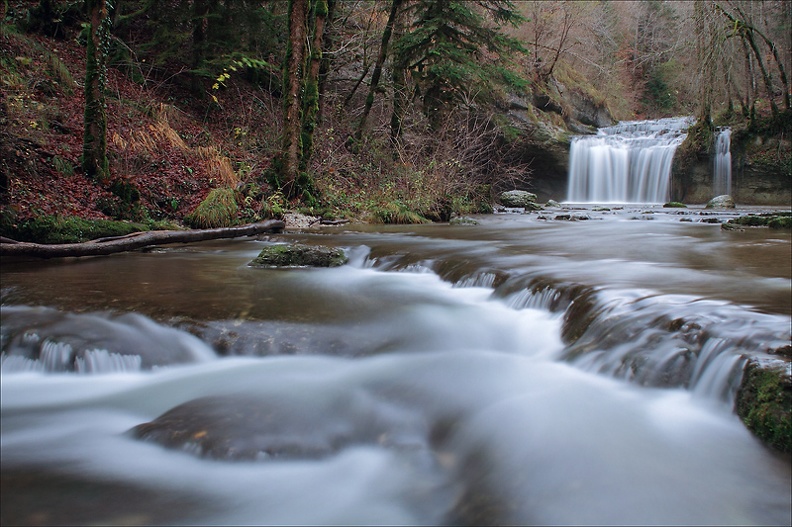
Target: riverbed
[[570, 366]]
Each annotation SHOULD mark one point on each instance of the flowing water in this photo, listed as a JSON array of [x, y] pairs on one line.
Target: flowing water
[[626, 163], [530, 369], [723, 163]]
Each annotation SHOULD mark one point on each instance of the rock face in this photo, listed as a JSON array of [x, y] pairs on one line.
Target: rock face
[[519, 199], [721, 202], [298, 255], [547, 121], [761, 166]]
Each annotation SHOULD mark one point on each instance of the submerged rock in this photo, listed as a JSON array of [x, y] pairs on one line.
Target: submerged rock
[[721, 202], [247, 427], [298, 255]]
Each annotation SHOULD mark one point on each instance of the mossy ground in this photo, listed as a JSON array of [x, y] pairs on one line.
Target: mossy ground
[[71, 229]]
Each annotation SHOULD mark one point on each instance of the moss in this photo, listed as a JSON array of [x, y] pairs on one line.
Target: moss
[[674, 204], [764, 403], [298, 255], [774, 221], [219, 209], [780, 222], [70, 229]]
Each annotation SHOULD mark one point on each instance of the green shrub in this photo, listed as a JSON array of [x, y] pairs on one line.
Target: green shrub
[[218, 209]]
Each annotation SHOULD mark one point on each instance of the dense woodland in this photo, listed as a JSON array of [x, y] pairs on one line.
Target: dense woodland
[[211, 113]]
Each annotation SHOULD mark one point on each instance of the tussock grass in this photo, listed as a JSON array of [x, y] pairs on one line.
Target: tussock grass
[[219, 209]]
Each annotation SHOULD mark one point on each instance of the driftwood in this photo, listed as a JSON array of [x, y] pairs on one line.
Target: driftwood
[[130, 242]]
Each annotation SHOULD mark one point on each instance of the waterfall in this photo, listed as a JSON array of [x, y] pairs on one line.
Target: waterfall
[[722, 170], [626, 163]]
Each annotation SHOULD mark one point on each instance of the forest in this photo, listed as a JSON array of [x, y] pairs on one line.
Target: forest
[[126, 115]]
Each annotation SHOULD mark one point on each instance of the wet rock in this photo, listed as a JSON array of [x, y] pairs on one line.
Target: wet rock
[[553, 203], [721, 202], [463, 221], [246, 427], [519, 198], [781, 220], [299, 255], [764, 401]]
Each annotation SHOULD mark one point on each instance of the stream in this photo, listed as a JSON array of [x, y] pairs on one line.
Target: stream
[[574, 366]]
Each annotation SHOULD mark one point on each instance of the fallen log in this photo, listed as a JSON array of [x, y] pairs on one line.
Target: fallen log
[[130, 242]]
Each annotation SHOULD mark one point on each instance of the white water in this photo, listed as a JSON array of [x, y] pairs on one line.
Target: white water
[[486, 419], [723, 163], [626, 163]]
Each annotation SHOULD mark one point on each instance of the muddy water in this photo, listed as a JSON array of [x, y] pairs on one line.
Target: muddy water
[[525, 370]]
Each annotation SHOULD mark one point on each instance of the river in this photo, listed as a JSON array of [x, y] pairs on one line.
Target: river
[[563, 367]]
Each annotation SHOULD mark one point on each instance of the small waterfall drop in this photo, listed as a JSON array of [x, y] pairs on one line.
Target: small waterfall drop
[[722, 170], [626, 163]]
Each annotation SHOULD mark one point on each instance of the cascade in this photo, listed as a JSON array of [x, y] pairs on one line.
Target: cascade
[[626, 163], [722, 169]]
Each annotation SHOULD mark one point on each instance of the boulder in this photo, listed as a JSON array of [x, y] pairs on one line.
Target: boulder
[[721, 202], [519, 198], [299, 255], [764, 400]]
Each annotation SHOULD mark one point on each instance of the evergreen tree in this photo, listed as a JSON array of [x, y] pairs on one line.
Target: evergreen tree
[[456, 48]]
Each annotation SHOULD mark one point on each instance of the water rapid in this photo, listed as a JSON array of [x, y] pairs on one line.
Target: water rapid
[[626, 163], [523, 371]]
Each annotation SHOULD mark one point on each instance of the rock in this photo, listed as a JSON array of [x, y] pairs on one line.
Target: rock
[[270, 426], [674, 205], [519, 198], [299, 255], [463, 220], [721, 202], [46, 339], [764, 401], [553, 203], [781, 220]]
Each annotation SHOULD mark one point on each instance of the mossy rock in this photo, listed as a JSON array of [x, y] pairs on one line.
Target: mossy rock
[[773, 221], [764, 403], [299, 255], [674, 205], [519, 198]]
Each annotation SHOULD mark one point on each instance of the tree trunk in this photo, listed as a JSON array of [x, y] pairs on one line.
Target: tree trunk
[[94, 159], [399, 81], [327, 45], [199, 34], [375, 77], [311, 102], [289, 161], [130, 242]]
